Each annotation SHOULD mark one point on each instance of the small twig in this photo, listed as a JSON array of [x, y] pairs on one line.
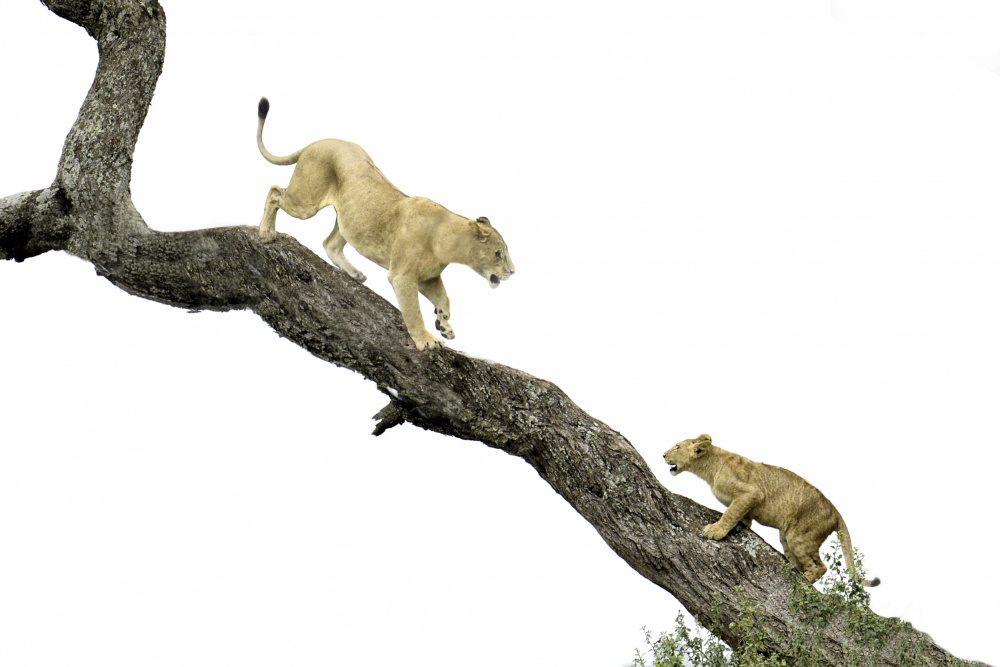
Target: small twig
[[391, 415]]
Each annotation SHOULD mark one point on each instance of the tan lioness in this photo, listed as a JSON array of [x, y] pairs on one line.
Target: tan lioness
[[412, 237], [770, 495]]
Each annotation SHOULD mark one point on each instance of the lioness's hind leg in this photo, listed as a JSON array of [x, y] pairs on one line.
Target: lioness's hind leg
[[334, 246], [271, 206], [434, 290]]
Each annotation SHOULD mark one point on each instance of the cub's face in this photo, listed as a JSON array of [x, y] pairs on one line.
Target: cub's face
[[680, 456], [488, 253]]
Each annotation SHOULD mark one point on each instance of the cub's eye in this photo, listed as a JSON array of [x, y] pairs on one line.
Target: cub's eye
[[499, 254]]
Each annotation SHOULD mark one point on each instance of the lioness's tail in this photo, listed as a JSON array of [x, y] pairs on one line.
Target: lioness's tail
[[848, 549], [262, 108]]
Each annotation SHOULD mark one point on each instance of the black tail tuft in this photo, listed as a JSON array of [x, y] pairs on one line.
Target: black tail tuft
[[875, 582], [262, 108]]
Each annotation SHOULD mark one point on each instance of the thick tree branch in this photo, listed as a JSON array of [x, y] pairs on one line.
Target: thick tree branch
[[88, 212]]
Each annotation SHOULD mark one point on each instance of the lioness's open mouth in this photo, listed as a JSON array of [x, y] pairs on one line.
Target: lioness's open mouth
[[495, 280], [673, 469]]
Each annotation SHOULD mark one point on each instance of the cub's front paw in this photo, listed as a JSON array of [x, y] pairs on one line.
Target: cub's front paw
[[713, 532], [268, 235]]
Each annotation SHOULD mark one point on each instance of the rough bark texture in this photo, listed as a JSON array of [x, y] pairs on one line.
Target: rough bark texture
[[88, 212]]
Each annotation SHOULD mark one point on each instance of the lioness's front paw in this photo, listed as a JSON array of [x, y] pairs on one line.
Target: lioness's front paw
[[354, 274], [443, 326], [427, 342], [713, 531], [268, 235]]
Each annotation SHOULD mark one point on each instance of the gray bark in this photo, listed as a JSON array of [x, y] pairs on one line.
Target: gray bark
[[88, 212]]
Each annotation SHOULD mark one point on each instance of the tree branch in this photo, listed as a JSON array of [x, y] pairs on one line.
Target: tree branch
[[88, 212], [32, 223]]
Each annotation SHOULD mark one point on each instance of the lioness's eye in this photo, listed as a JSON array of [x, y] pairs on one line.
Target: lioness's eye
[[499, 254]]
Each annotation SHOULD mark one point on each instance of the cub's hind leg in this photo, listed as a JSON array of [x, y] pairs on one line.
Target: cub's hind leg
[[434, 290], [334, 246], [805, 547], [816, 568], [790, 555], [271, 206]]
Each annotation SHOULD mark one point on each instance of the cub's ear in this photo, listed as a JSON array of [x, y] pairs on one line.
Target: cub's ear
[[484, 220], [704, 437]]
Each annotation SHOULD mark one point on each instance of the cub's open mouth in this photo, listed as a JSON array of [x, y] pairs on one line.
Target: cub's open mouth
[[673, 469], [495, 280]]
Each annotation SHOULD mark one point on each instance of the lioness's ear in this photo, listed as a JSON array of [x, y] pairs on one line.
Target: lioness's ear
[[481, 230], [704, 437], [483, 219]]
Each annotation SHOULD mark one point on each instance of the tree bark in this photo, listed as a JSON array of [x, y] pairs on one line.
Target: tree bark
[[88, 212]]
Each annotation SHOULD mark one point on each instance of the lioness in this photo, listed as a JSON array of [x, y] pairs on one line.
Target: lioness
[[773, 496], [412, 237]]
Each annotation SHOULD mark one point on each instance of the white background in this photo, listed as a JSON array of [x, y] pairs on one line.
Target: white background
[[774, 222]]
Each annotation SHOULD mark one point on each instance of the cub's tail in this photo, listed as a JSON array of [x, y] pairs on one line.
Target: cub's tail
[[262, 108], [848, 549]]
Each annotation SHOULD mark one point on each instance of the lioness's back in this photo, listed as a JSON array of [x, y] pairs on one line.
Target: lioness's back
[[347, 167], [342, 174]]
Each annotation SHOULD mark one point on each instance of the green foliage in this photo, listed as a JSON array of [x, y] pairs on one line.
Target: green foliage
[[683, 647], [698, 647], [841, 597]]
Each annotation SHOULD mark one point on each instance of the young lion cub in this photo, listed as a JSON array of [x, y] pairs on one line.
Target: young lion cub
[[773, 496], [412, 237]]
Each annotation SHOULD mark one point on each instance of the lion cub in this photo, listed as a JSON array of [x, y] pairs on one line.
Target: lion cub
[[412, 237], [771, 495]]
